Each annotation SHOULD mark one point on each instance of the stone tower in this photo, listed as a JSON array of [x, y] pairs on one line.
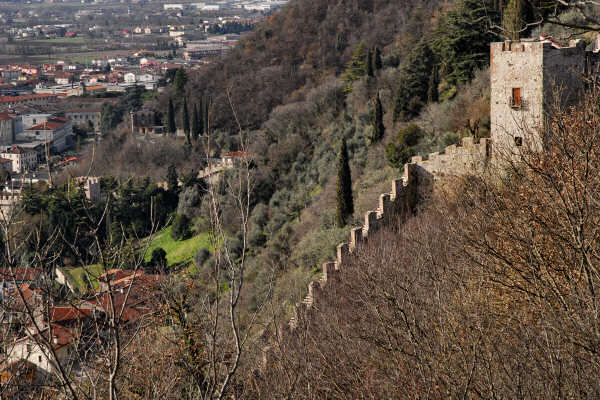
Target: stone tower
[[526, 77]]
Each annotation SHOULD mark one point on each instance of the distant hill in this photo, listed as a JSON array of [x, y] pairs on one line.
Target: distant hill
[[299, 46]]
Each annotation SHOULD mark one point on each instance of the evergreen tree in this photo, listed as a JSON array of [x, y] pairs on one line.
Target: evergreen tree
[[512, 20], [432, 90], [186, 120], [180, 81], [181, 228], [195, 125], [369, 64], [377, 62], [413, 85], [171, 128], [172, 179], [462, 40], [377, 121], [345, 202], [356, 67], [201, 117], [205, 118]]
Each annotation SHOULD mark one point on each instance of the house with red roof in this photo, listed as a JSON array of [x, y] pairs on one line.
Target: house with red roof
[[56, 131], [21, 159]]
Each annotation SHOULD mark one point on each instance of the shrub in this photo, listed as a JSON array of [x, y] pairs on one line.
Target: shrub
[[402, 149], [158, 261], [181, 228]]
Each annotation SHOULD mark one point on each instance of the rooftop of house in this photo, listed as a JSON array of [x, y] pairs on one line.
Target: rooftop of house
[[16, 150], [26, 97], [68, 313], [20, 274], [50, 125]]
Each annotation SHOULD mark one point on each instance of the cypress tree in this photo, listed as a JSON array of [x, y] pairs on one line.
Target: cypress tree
[[172, 179], [180, 81], [171, 128], [369, 63], [186, 120], [200, 112], [195, 126], [205, 116], [345, 202], [377, 63], [377, 121]]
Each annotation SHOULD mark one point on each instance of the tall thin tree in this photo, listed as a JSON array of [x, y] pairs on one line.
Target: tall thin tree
[[378, 130], [345, 201], [171, 128], [186, 120], [195, 125]]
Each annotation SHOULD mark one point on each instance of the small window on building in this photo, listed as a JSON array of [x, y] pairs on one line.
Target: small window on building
[[34, 121], [516, 98], [518, 141], [40, 359]]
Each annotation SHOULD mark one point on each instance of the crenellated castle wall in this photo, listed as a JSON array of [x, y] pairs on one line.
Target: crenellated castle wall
[[523, 78]]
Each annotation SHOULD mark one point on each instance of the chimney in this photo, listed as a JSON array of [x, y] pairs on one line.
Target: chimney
[[55, 339]]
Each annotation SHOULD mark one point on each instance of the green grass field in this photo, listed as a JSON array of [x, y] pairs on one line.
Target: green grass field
[[178, 252], [76, 276]]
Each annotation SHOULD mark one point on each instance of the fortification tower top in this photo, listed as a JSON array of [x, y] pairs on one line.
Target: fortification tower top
[[526, 77]]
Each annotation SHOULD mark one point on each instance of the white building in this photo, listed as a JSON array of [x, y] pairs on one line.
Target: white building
[[22, 159], [172, 7], [55, 131], [129, 77]]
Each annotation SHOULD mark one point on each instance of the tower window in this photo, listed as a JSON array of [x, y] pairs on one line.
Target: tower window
[[518, 141], [516, 98]]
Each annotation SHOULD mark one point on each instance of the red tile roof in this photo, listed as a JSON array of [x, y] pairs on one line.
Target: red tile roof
[[50, 125], [68, 313], [11, 99], [20, 274]]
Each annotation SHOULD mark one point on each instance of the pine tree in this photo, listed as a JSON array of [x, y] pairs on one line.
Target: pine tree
[[345, 202], [186, 120], [377, 63], [369, 64], [377, 121], [413, 85], [195, 126], [171, 128], [462, 40], [512, 20], [356, 67]]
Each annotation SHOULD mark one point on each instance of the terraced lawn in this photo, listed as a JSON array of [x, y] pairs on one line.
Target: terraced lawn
[[77, 276], [178, 252]]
